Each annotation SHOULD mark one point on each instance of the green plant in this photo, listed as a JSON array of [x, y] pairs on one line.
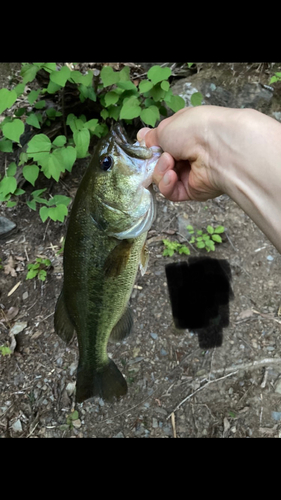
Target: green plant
[[5, 351], [115, 96], [275, 78], [173, 246], [202, 240], [38, 269], [206, 240]]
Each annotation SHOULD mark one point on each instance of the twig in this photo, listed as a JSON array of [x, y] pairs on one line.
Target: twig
[[266, 316], [200, 389], [229, 371], [173, 425]]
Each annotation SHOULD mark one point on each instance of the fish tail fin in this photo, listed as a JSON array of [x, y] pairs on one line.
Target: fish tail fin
[[63, 326], [108, 383]]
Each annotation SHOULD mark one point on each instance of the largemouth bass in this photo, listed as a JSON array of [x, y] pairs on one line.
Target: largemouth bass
[[105, 243]]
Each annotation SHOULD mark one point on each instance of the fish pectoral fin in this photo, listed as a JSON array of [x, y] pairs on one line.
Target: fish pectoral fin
[[107, 383], [63, 326], [123, 327], [144, 259], [117, 259]]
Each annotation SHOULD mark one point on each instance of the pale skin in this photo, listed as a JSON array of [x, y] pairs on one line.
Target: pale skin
[[211, 150]]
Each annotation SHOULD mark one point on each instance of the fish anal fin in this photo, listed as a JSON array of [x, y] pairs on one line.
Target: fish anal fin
[[107, 383], [144, 259], [123, 327], [63, 326], [117, 259]]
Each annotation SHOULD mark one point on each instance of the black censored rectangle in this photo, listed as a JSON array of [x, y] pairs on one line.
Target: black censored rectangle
[[199, 292]]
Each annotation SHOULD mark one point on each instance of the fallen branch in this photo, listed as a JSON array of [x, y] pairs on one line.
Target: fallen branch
[[228, 373]]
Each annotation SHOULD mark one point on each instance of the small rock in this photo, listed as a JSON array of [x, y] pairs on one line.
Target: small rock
[[24, 295], [119, 435], [70, 388], [6, 227], [73, 368], [76, 423], [154, 423], [270, 258], [17, 427], [154, 336], [163, 352], [278, 387], [276, 415], [18, 327]]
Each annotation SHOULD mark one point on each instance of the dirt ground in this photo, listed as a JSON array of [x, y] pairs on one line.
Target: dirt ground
[[175, 389]]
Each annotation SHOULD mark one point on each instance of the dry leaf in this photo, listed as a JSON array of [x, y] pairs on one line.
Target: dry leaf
[[248, 313], [9, 268]]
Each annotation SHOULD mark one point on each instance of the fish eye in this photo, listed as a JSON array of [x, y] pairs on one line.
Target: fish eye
[[106, 163]]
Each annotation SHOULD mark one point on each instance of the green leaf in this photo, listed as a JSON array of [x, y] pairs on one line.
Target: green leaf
[[210, 229], [38, 147], [81, 140], [32, 273], [53, 87], [175, 102], [44, 213], [28, 72], [216, 238], [219, 229], [30, 173], [157, 74], [196, 99], [19, 89], [40, 104], [11, 170], [33, 120], [76, 77], [165, 85], [8, 185], [108, 76], [150, 115], [6, 146], [33, 95], [111, 98], [59, 141], [200, 244], [91, 124], [157, 93], [124, 74], [124, 85], [210, 245], [7, 99], [68, 156], [130, 109], [57, 213], [60, 199], [51, 165], [145, 86], [42, 274], [13, 130], [60, 77], [184, 250]]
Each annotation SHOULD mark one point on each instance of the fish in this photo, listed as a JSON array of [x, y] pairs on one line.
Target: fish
[[113, 210]]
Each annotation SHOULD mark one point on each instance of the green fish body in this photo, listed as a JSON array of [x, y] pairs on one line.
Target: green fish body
[[105, 243]]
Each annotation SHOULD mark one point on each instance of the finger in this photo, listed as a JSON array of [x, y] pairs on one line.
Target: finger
[[166, 162], [172, 188], [150, 136], [142, 132]]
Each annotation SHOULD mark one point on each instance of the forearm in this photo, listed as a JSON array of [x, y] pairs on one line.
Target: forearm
[[251, 174]]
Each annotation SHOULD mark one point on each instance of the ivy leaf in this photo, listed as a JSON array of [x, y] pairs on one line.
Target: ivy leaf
[[111, 98], [51, 166], [108, 76], [33, 95], [33, 120], [7, 99], [13, 130], [150, 115], [59, 141], [145, 86], [130, 109], [6, 146], [196, 99], [157, 74], [38, 147], [28, 72], [175, 102], [60, 77], [30, 173], [68, 156], [81, 140], [8, 185]]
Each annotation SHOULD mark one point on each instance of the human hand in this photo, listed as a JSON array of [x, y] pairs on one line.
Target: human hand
[[185, 171]]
